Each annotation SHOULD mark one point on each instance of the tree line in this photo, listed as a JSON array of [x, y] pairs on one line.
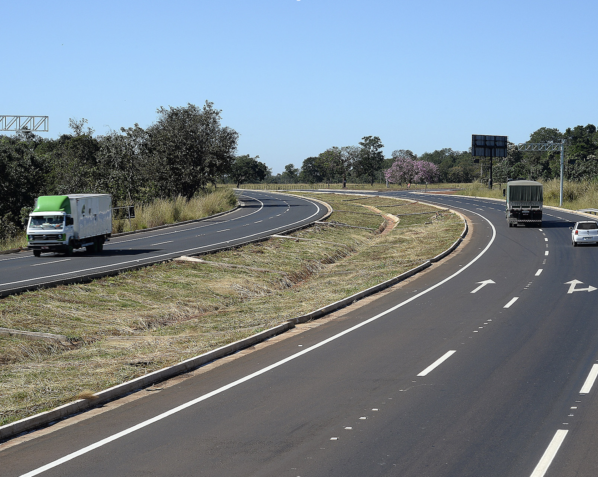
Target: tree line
[[365, 163], [188, 149], [182, 153]]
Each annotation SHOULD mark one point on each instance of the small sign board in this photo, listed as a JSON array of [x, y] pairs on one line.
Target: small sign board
[[126, 212], [488, 146]]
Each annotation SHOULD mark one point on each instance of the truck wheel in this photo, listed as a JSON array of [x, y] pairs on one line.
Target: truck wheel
[[99, 246], [69, 250], [37, 253]]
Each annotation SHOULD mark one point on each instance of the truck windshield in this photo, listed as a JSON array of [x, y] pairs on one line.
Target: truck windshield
[[46, 222]]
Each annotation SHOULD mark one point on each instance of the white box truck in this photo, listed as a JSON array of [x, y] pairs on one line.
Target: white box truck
[[62, 223]]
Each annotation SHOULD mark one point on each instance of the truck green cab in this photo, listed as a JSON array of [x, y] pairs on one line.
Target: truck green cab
[[62, 223]]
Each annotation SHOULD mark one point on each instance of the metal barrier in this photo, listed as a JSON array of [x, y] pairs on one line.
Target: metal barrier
[[589, 211]]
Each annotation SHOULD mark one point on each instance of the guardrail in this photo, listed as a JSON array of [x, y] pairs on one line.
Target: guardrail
[[589, 211]]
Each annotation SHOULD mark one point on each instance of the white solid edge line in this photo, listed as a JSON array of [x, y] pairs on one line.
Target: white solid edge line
[[438, 362], [549, 453], [590, 380], [508, 305], [177, 409], [538, 272], [177, 253]]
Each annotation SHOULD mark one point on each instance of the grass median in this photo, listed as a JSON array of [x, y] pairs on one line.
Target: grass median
[[122, 327]]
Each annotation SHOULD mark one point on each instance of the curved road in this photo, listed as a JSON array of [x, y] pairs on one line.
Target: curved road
[[446, 375], [262, 214]]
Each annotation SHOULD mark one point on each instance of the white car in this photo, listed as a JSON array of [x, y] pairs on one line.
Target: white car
[[584, 232]]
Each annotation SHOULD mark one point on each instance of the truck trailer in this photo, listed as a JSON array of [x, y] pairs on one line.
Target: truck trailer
[[524, 203], [63, 223]]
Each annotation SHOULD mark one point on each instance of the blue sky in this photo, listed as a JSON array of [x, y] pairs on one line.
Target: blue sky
[[294, 78]]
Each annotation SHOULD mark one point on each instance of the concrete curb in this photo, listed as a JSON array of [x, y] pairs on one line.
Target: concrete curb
[[46, 418]]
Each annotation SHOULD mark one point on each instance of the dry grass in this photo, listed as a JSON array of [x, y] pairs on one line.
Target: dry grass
[[122, 327], [169, 211]]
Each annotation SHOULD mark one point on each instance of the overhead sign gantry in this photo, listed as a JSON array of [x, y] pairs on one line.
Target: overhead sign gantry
[[24, 123]]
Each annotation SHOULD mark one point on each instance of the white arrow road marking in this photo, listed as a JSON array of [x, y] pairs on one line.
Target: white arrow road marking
[[572, 288], [482, 285]]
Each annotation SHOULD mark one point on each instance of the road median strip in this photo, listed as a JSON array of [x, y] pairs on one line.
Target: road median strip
[[152, 377]]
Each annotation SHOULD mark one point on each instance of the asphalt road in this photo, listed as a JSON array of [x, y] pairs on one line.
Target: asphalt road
[[261, 215], [442, 376]]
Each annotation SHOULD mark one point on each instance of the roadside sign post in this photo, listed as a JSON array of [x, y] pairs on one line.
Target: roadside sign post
[[488, 147]]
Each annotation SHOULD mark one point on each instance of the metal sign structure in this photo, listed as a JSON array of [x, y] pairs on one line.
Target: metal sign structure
[[24, 123], [548, 146], [489, 146]]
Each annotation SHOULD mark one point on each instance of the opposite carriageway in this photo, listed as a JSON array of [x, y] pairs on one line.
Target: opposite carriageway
[[261, 215]]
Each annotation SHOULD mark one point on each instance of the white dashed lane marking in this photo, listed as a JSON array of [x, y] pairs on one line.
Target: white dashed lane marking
[[550, 453], [590, 380], [508, 305], [50, 263], [437, 363]]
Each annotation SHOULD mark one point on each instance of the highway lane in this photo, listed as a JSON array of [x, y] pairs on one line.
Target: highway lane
[[261, 215], [430, 379]]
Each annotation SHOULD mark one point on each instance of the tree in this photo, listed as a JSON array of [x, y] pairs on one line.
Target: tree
[[21, 178], [123, 164], [290, 174], [248, 169], [402, 170], [189, 149], [327, 162], [310, 171], [407, 170], [371, 157]]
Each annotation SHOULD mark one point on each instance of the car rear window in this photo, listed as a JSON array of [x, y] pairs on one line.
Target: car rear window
[[587, 226]]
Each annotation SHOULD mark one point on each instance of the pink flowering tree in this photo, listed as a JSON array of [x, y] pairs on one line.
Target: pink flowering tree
[[426, 172], [407, 169], [402, 170]]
